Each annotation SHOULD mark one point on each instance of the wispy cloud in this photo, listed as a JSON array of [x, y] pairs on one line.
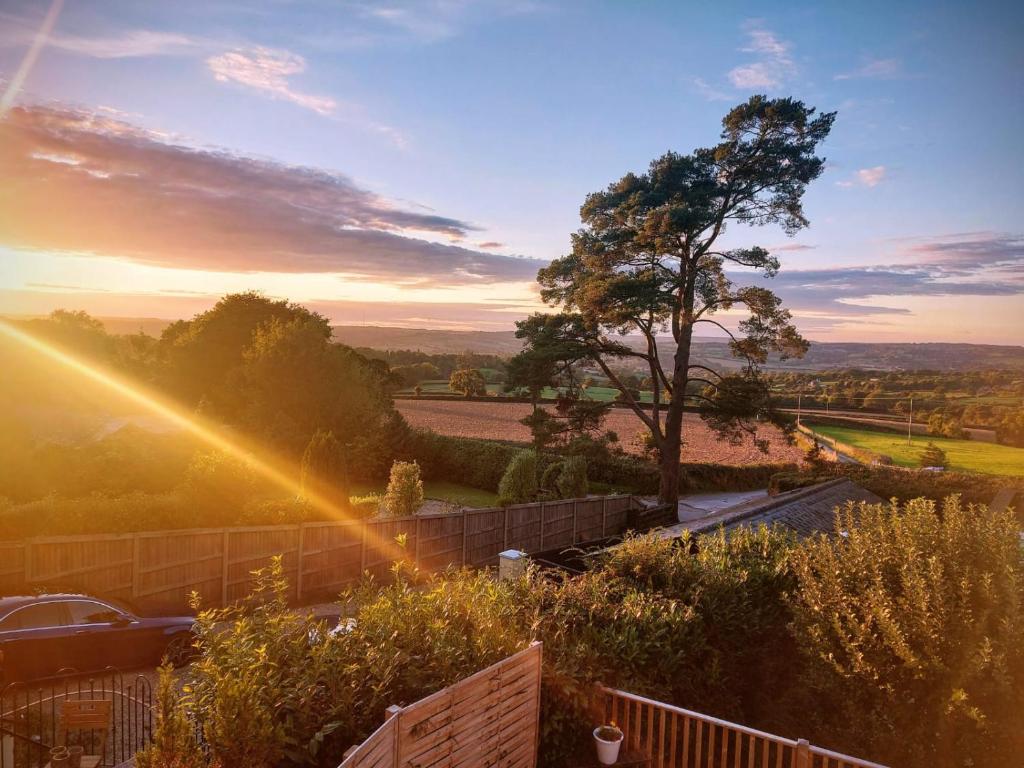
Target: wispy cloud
[[966, 264], [708, 91], [773, 62], [865, 177], [78, 182], [881, 69], [490, 244], [268, 70]]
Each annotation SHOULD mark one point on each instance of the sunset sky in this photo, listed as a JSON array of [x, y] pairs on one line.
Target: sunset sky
[[414, 163]]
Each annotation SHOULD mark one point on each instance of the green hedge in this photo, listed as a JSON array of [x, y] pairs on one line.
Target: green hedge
[[481, 463], [903, 484]]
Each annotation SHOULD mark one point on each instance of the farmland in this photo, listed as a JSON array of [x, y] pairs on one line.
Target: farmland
[[499, 421], [963, 455]]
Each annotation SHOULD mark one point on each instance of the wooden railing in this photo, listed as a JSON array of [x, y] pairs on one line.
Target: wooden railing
[[489, 718], [678, 738]]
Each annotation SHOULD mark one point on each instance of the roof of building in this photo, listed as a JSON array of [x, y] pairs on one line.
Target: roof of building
[[806, 510]]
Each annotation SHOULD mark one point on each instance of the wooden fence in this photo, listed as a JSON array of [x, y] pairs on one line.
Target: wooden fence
[[158, 570], [679, 738], [489, 719]]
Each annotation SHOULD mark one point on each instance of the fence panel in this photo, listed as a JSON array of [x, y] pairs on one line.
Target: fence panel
[[12, 567], [525, 526], [251, 548], [331, 559], [489, 718], [158, 570], [100, 564], [589, 520], [440, 540], [485, 536], [168, 566]]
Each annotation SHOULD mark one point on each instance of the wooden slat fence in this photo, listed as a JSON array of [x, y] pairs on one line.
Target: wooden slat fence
[[489, 719], [158, 570], [679, 738]]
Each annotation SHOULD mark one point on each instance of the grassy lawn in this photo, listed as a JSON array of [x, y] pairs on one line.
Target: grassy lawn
[[964, 455], [603, 394], [438, 489]]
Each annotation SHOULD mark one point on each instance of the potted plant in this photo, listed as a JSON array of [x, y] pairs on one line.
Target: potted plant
[[59, 757], [608, 739]]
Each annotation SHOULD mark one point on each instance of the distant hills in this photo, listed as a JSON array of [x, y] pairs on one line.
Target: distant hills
[[823, 355]]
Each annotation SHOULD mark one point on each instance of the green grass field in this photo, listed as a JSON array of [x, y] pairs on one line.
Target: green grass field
[[437, 489], [963, 455]]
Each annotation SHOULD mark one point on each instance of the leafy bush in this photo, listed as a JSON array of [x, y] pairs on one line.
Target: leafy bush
[[174, 742], [404, 494], [912, 626], [519, 483], [572, 479], [216, 479]]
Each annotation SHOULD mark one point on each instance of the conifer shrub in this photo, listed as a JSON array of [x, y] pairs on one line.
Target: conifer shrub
[[404, 495], [572, 478], [519, 483]]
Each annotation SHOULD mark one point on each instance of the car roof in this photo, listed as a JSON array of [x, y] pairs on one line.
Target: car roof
[[9, 603]]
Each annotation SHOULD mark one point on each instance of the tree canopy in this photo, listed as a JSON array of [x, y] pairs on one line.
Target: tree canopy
[[648, 261]]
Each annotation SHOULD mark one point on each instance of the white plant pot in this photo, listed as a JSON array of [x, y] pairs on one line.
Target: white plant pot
[[607, 751]]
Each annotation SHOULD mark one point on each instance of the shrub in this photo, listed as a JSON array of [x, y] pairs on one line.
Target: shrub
[[258, 687], [174, 742], [912, 627], [404, 494], [572, 479], [519, 483], [906, 484], [216, 479], [323, 474], [933, 456]]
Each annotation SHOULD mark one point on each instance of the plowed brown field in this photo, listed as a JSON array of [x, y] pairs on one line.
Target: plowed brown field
[[500, 421]]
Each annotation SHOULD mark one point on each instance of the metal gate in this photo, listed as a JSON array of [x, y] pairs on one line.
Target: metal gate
[[30, 717]]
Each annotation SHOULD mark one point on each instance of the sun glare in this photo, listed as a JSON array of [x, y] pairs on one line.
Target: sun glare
[[277, 470]]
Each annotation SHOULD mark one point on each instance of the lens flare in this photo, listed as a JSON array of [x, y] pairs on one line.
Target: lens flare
[[14, 86], [280, 472]]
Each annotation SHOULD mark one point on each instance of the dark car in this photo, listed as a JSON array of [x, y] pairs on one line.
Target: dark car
[[40, 635]]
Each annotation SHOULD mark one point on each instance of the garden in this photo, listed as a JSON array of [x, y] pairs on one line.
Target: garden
[[853, 641]]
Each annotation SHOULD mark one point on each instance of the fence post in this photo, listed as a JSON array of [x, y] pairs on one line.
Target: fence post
[[298, 567], [465, 536], [803, 754], [574, 527], [224, 570], [416, 542], [604, 516], [363, 525], [394, 712], [136, 575], [28, 563], [504, 539], [542, 526]]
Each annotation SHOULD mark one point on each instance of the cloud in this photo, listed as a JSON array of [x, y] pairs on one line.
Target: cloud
[[490, 244], [773, 64], [865, 177], [82, 182], [879, 69], [708, 91], [966, 264], [871, 177], [268, 70]]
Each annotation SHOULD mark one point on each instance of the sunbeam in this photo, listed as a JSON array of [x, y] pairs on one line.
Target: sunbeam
[[277, 470]]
